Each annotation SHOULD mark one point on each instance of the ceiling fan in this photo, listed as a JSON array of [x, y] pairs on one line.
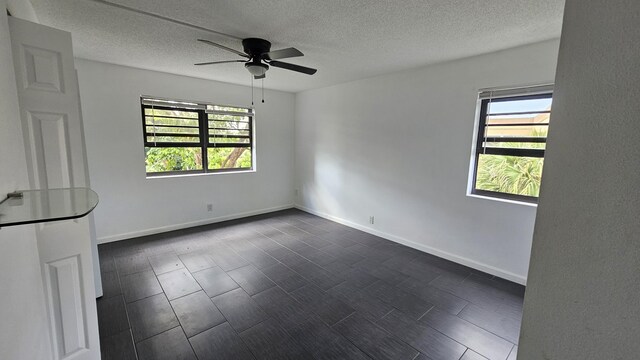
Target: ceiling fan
[[259, 57]]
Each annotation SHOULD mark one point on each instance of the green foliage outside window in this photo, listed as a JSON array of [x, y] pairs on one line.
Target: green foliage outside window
[[173, 159], [509, 174], [512, 174], [182, 158], [228, 158]]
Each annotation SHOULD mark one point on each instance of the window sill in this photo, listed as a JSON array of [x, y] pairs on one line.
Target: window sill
[[516, 202], [198, 174]]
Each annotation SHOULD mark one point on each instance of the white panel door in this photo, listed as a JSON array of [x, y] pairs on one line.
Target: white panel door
[[56, 157]]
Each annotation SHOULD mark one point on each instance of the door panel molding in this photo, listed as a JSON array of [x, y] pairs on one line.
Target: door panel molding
[[42, 69], [65, 298], [50, 150]]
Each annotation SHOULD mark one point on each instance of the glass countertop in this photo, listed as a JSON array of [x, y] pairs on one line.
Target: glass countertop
[[37, 206]]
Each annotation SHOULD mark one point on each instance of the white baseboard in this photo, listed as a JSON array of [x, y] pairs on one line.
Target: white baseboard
[[145, 232], [424, 248]]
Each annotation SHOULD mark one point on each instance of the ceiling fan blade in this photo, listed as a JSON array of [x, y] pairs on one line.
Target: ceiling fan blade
[[283, 53], [293, 67], [224, 47], [219, 62], [260, 77]]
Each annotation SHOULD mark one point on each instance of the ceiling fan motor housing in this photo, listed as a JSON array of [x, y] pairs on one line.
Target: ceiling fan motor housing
[[255, 47]]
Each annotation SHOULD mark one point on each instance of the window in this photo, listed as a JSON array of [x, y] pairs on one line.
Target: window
[[186, 137], [510, 145]]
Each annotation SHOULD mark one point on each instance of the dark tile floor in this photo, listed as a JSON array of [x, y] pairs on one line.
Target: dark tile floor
[[290, 285]]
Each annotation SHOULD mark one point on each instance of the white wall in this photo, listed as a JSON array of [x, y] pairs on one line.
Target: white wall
[[398, 147], [24, 327], [131, 205], [584, 282]]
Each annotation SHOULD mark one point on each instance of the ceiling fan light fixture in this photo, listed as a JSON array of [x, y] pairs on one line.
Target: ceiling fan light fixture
[[256, 69]]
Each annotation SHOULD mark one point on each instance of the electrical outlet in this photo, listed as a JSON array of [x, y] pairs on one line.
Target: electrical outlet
[[371, 219], [209, 207]]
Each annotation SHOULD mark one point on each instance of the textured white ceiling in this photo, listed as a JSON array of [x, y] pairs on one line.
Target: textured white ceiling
[[344, 39]]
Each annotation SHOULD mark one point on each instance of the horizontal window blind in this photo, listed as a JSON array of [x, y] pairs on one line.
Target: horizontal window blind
[[171, 126], [521, 132], [171, 103], [515, 91], [229, 127]]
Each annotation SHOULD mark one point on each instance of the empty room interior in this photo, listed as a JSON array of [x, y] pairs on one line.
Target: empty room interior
[[298, 179]]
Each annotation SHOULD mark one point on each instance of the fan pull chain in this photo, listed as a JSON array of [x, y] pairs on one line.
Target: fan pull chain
[[263, 90], [251, 90]]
